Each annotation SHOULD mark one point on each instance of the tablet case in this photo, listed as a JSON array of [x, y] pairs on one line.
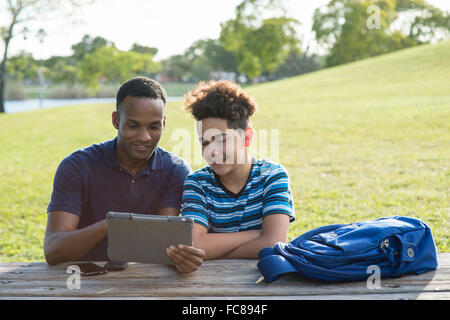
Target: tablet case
[[144, 238]]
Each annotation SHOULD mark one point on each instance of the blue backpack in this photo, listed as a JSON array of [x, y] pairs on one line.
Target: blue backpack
[[343, 252]]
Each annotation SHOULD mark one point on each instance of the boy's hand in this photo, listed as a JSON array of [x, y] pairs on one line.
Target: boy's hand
[[186, 258]]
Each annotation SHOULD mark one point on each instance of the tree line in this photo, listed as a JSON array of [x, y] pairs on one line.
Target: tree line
[[260, 43]]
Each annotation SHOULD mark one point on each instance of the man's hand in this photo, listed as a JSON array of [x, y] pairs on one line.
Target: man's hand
[[186, 258]]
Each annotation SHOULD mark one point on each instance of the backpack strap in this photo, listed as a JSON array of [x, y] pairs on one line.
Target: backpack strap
[[273, 265]]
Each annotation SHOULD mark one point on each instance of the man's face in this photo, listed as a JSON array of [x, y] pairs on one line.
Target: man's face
[[222, 148], [139, 126]]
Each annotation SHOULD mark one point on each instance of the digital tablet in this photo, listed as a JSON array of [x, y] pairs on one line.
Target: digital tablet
[[144, 238]]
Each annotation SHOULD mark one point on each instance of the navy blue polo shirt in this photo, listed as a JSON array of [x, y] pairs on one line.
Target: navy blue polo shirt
[[90, 182]]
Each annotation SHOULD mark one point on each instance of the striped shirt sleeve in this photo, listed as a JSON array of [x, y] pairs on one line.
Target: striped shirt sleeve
[[277, 196], [194, 201]]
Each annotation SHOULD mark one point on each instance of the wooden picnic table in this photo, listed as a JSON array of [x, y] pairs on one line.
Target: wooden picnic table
[[217, 279]]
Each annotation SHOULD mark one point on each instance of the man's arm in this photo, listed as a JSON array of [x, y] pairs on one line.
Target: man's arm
[[218, 245], [275, 229], [63, 242]]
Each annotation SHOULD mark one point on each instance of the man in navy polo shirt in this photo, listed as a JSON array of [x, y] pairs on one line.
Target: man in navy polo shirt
[[129, 173]]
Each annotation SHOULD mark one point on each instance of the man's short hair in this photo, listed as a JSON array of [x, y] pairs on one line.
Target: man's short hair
[[140, 87], [221, 99]]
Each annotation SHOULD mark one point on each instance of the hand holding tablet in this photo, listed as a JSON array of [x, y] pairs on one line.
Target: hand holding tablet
[[186, 258]]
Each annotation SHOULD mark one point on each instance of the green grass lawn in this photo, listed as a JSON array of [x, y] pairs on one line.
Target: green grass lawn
[[360, 141]]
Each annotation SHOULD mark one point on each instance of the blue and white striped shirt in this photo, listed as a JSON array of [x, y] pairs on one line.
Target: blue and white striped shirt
[[211, 204]]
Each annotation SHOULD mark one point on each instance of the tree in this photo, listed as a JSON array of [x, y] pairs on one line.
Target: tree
[[295, 64], [22, 66], [175, 68], [217, 56], [87, 45], [205, 56], [259, 44], [343, 26], [60, 70], [198, 61], [424, 23], [143, 49], [19, 13], [107, 63]]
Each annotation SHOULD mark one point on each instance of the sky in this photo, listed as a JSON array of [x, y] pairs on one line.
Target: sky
[[171, 26]]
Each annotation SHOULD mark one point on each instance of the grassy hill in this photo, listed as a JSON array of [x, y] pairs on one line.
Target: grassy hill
[[360, 141]]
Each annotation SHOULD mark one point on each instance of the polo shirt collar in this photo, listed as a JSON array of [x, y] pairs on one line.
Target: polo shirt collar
[[155, 163]]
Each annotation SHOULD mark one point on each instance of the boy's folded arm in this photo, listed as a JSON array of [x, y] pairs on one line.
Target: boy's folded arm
[[275, 229], [218, 245]]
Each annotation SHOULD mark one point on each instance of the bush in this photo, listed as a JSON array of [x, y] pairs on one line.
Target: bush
[[107, 90], [15, 91], [75, 91]]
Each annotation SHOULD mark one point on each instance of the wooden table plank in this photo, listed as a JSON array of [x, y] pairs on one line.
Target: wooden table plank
[[395, 296], [218, 279]]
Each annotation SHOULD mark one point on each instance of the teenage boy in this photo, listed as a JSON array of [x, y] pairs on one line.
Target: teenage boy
[[240, 205]]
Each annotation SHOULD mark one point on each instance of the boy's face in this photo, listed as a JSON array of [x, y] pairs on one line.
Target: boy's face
[[222, 148]]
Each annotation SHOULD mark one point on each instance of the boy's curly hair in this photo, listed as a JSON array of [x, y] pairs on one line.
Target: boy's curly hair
[[221, 99]]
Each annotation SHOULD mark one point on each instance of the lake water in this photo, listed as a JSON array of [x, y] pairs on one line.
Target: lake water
[[13, 106]]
